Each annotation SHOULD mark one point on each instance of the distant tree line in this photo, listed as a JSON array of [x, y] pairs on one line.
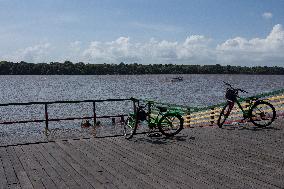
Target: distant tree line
[[69, 68]]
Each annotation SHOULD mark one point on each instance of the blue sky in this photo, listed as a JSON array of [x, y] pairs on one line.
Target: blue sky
[[247, 32]]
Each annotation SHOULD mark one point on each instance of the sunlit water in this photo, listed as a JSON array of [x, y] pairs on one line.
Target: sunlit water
[[193, 91]]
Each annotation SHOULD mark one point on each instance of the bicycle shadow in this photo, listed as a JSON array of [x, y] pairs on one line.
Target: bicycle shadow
[[263, 128], [250, 128], [163, 140]]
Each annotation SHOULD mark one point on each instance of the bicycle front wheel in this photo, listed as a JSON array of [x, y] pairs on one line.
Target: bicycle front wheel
[[262, 114], [170, 124], [224, 115], [129, 127]]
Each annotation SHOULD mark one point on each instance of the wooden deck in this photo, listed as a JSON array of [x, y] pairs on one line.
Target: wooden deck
[[197, 158]]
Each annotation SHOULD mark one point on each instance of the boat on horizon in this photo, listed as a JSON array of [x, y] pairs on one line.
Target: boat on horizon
[[175, 79]]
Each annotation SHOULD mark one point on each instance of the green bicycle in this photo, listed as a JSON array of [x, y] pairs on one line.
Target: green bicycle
[[259, 112], [169, 123]]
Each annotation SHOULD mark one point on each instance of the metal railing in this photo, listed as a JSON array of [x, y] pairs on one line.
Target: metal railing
[[47, 119]]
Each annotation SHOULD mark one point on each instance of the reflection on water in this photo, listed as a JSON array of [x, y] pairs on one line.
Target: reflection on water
[[194, 90]]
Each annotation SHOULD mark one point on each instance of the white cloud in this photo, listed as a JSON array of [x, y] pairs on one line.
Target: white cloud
[[195, 46], [267, 15], [36, 53], [254, 51], [110, 52], [194, 49], [152, 51], [273, 42], [75, 46]]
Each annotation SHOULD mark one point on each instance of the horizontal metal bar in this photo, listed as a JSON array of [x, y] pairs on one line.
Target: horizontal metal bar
[[112, 116], [58, 119], [111, 100], [69, 118], [22, 121], [89, 117], [64, 102]]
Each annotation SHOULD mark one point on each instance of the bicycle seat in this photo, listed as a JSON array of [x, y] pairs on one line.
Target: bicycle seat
[[162, 109]]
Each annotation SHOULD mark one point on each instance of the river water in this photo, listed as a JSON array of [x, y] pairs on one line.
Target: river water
[[193, 91]]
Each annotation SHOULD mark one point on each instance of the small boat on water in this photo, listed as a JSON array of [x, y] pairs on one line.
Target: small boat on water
[[175, 79]]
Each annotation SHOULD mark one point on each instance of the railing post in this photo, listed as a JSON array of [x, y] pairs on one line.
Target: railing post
[[46, 117], [113, 121], [212, 117], [122, 119], [247, 103], [134, 105], [188, 117], [149, 112], [135, 110], [94, 113]]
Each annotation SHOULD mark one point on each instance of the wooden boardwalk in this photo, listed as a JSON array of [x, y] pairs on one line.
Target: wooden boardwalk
[[197, 158]]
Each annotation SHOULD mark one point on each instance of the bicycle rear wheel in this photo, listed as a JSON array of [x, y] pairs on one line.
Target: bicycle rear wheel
[[262, 114], [170, 124], [224, 115], [129, 127]]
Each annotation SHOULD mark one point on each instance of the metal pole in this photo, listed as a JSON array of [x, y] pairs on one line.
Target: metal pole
[[135, 111], [46, 117], [94, 113], [212, 116], [134, 106], [149, 112], [188, 117]]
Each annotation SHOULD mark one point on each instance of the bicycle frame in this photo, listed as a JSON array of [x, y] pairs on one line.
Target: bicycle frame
[[252, 111], [153, 121], [245, 112], [168, 121]]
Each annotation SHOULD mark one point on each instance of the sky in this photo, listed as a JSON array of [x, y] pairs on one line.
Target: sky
[[226, 32]]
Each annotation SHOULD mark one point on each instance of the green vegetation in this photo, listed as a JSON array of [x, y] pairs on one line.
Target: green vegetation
[[69, 68]]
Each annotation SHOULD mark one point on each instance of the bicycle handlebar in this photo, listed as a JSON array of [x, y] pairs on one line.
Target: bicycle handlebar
[[228, 84], [241, 90]]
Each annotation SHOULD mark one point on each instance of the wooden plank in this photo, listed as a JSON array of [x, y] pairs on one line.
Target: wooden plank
[[11, 177], [86, 167], [66, 177], [197, 159], [105, 166], [3, 180], [24, 180], [32, 173], [258, 141], [231, 166], [47, 169], [259, 157], [156, 163], [238, 156], [145, 172], [29, 151], [115, 168], [59, 155], [162, 173], [196, 174]]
